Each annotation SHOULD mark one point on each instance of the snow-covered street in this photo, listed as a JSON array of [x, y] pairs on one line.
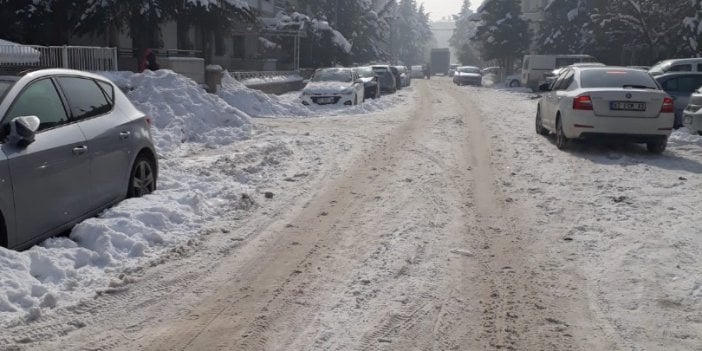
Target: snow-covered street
[[434, 219]]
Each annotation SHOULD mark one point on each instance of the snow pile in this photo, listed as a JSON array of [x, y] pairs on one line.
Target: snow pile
[[257, 103], [182, 111], [290, 78]]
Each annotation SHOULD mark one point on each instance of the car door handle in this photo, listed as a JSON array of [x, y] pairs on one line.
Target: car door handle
[[79, 150], [125, 134]]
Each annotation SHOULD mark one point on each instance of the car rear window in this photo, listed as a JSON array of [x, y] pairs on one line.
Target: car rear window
[[616, 78]]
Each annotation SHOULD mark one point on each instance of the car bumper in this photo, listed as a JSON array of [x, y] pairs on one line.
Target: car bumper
[[584, 124], [474, 81], [692, 121], [324, 100]]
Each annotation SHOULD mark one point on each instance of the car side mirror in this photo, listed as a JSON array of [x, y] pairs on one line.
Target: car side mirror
[[545, 87], [23, 129]]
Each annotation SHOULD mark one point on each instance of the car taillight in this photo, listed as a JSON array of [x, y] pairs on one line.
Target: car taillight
[[582, 103], [668, 105]]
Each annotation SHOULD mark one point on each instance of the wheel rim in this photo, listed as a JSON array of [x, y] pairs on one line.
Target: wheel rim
[[143, 181]]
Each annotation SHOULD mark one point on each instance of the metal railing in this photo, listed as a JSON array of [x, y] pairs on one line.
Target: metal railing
[[85, 58], [262, 74]]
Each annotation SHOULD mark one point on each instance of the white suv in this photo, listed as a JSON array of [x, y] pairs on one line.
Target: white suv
[[677, 65]]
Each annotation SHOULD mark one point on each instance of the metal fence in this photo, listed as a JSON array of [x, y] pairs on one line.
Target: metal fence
[[85, 58], [262, 74]]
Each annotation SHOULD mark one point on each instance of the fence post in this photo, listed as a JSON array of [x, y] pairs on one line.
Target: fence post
[[115, 57], [64, 56]]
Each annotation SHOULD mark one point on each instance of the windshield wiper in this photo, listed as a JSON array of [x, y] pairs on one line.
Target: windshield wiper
[[637, 86]]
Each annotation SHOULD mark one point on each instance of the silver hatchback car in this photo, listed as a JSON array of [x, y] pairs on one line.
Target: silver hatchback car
[[72, 145]]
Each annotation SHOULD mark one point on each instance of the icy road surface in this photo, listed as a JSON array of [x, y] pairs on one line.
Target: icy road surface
[[442, 224]]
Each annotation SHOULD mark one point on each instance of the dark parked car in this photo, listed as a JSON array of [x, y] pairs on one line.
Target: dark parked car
[[388, 83], [370, 82], [680, 87], [72, 145]]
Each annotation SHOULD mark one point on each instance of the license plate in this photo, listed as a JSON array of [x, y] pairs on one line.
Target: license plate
[[325, 100], [627, 106], [688, 120]]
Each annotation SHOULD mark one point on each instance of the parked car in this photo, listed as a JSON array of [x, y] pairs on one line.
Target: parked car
[[692, 115], [371, 84], [73, 145], [417, 71], [404, 76], [398, 78], [468, 75], [680, 86], [535, 66], [388, 83], [333, 86], [452, 70], [677, 65], [620, 103], [513, 81]]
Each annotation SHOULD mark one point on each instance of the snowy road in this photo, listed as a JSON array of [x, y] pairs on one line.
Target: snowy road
[[442, 224]]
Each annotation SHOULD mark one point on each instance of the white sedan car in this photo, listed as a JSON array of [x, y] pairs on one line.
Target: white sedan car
[[333, 86], [620, 104]]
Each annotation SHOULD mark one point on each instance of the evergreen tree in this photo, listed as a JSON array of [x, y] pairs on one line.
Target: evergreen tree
[[411, 33], [502, 33], [460, 39], [566, 28], [692, 29]]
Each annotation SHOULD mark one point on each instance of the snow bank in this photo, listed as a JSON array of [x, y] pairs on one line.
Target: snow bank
[[182, 111]]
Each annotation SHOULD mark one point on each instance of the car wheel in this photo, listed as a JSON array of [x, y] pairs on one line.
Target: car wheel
[[514, 84], [561, 139], [539, 123], [142, 180], [656, 147]]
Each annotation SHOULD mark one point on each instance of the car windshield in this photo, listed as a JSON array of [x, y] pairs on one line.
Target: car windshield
[[365, 72], [617, 78], [332, 75], [5, 86], [469, 70]]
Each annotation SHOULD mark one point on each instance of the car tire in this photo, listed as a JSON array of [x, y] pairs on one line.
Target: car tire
[[656, 147], [539, 123], [561, 139], [514, 84], [142, 178]]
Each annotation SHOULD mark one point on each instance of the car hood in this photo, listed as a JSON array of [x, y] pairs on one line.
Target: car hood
[[321, 88]]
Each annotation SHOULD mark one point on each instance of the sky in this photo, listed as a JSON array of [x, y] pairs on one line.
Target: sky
[[443, 8]]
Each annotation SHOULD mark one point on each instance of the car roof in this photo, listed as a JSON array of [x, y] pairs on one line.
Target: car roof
[[676, 74], [61, 71], [683, 60]]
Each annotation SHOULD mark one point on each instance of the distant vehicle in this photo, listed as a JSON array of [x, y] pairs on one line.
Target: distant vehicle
[[440, 61], [513, 80], [404, 76], [692, 115], [333, 86], [388, 83], [677, 65], [418, 72], [680, 85], [618, 103], [452, 70], [535, 67], [73, 145], [370, 82], [468, 75]]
